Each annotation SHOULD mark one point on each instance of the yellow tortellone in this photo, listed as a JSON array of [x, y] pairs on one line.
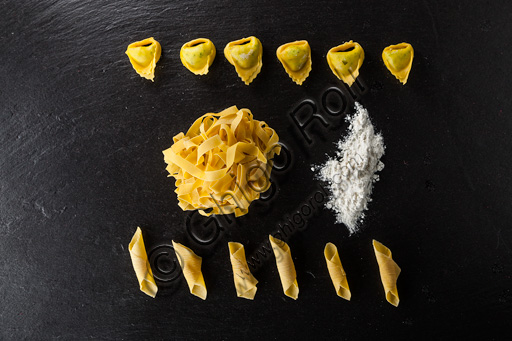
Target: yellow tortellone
[[296, 60], [398, 59], [245, 55], [197, 55], [144, 55], [345, 61]]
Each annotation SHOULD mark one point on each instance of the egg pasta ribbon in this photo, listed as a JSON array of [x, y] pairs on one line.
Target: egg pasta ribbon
[[223, 162], [141, 265], [285, 267], [245, 283], [389, 272]]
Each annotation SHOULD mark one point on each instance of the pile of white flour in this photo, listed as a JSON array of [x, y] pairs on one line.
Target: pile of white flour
[[351, 173]]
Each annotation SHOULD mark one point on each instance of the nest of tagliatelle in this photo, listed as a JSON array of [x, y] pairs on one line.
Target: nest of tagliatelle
[[223, 162]]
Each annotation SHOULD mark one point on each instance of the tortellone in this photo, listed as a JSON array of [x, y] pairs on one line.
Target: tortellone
[[398, 59], [245, 55], [296, 60], [144, 55], [345, 61], [197, 55]]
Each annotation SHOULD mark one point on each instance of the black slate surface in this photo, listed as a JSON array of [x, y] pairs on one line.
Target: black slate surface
[[81, 167]]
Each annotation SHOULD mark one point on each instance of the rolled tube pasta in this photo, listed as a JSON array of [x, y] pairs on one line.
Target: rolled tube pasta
[[141, 265], [285, 267], [245, 283], [338, 276], [191, 266], [389, 272]]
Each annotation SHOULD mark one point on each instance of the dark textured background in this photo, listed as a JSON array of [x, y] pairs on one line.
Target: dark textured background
[[81, 167]]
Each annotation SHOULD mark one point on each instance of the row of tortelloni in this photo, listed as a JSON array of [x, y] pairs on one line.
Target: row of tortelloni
[[245, 55], [246, 283]]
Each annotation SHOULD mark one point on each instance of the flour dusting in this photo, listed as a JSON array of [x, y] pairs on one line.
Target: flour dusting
[[351, 173]]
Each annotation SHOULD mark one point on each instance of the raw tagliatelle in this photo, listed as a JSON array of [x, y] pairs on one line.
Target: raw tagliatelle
[[223, 162]]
